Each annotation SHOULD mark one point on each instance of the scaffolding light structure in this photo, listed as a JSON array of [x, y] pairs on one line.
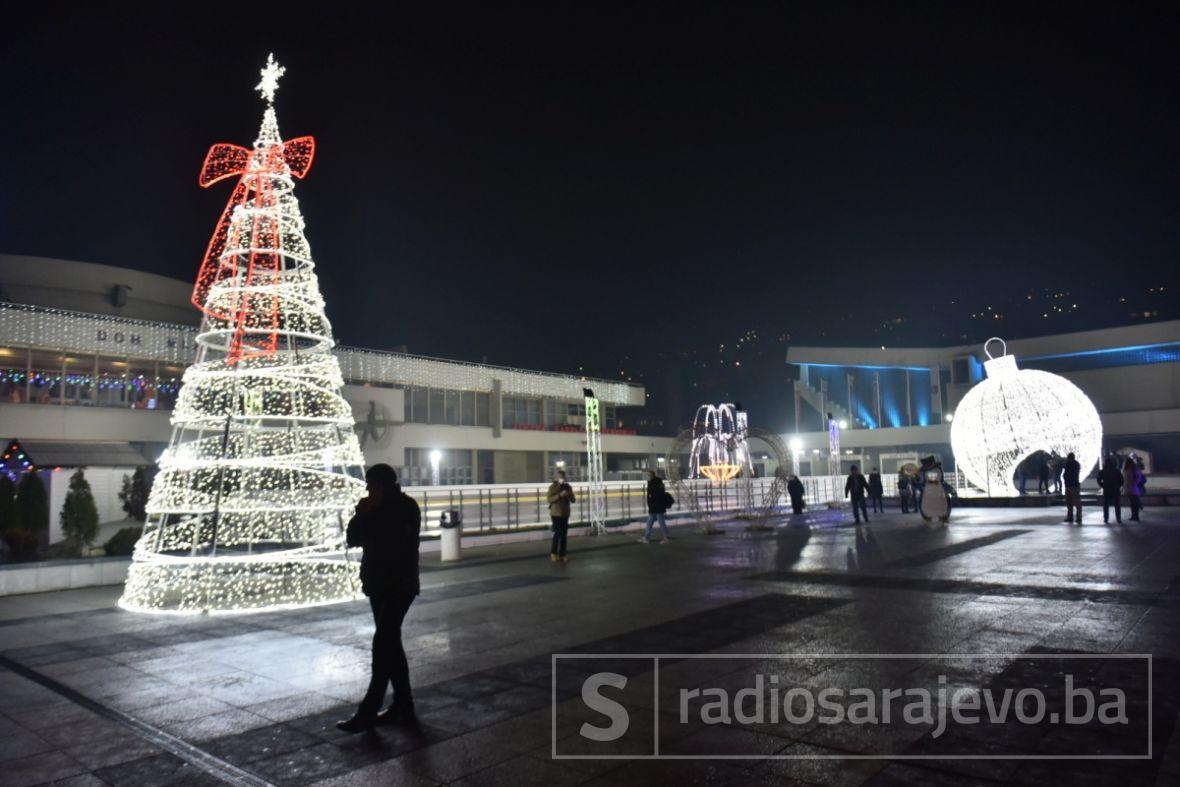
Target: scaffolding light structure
[[596, 486]]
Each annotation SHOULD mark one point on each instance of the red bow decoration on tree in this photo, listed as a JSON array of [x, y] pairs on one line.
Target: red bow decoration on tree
[[253, 304]]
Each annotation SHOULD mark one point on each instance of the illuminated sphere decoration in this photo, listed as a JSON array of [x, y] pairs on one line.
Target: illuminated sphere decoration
[[1014, 413], [264, 468]]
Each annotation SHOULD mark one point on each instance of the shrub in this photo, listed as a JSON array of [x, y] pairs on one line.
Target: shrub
[[134, 494], [9, 513], [79, 514], [123, 542], [32, 502]]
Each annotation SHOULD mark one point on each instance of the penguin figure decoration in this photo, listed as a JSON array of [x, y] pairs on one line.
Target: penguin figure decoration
[[935, 503]]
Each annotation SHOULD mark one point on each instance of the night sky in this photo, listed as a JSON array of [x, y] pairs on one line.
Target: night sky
[[649, 193]]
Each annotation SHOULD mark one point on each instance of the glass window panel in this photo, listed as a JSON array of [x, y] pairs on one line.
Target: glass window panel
[[421, 397], [437, 407], [452, 407], [467, 408], [483, 409]]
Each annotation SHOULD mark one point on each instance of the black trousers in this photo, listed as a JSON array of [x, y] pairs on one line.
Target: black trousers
[[1112, 499], [561, 528], [859, 507], [1135, 506], [389, 657], [878, 504], [797, 505]]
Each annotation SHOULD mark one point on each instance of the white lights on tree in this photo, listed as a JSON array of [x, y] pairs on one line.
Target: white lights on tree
[[1015, 413], [264, 467], [720, 443]]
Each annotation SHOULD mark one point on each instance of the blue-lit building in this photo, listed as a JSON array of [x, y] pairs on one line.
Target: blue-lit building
[[897, 402]]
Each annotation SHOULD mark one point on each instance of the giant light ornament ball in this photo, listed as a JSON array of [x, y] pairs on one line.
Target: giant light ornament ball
[[1016, 412]]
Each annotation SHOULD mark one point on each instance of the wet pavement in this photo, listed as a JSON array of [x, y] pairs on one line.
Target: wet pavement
[[1002, 599]]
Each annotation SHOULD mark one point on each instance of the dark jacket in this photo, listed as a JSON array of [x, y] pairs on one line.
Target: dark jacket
[[795, 488], [1072, 475], [856, 486], [656, 496], [388, 534], [876, 489], [1111, 480]]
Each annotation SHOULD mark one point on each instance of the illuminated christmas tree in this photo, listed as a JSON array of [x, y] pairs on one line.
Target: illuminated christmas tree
[[263, 470]]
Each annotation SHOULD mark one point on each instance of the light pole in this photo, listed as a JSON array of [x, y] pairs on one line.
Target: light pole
[[435, 458], [796, 452]]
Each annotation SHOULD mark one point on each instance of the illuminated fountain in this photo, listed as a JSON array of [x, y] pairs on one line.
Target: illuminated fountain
[[720, 443]]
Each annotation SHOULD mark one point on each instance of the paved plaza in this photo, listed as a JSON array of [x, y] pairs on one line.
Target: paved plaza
[[90, 694]]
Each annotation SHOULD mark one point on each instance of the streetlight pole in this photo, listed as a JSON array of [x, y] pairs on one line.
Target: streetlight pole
[[435, 458]]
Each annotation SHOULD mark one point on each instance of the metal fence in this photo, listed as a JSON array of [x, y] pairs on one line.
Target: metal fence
[[511, 506]]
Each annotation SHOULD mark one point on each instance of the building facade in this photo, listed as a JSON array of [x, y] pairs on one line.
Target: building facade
[[898, 403], [92, 357]]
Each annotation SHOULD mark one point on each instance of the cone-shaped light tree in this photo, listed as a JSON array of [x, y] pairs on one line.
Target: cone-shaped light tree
[[249, 507]]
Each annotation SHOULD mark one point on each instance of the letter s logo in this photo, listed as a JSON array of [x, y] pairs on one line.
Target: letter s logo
[[619, 719]]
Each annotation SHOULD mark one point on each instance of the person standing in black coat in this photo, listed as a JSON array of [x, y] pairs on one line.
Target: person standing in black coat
[[856, 488], [1111, 481], [1071, 475], [386, 526], [795, 490], [657, 506], [877, 491]]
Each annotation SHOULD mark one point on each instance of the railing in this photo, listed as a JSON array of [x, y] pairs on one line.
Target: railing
[[501, 507]]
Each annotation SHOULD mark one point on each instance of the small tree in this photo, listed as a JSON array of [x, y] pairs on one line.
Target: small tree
[[32, 502], [79, 514], [134, 494], [9, 513]]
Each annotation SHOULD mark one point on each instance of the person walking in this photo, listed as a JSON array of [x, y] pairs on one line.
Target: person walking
[[795, 491], [856, 487], [1111, 481], [1071, 476], [1133, 483], [386, 527], [1057, 466], [903, 490], [657, 507], [560, 496], [877, 491]]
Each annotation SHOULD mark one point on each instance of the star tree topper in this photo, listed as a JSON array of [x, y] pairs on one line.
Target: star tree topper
[[270, 79]]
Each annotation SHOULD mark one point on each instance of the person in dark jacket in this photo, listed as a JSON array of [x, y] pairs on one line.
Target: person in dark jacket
[[657, 506], [795, 491], [1133, 484], [1111, 481], [1042, 474], [903, 491], [386, 526], [876, 491], [1071, 475], [856, 487], [560, 496]]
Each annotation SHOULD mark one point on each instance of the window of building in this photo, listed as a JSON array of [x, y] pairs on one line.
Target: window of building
[[438, 411], [483, 409], [467, 408]]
